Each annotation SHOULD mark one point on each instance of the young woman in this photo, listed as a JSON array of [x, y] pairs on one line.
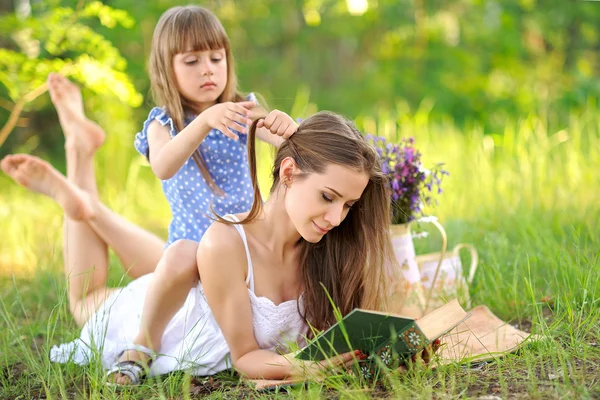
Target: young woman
[[324, 231]]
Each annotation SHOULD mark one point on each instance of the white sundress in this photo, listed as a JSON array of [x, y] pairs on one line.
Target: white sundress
[[192, 340]]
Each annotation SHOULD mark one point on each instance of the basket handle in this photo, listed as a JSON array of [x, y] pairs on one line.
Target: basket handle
[[474, 259], [433, 220]]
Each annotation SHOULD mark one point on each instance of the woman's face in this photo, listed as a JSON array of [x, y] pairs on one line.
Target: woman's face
[[317, 203]]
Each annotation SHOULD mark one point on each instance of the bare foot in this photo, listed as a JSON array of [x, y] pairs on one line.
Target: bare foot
[[119, 378], [39, 176], [80, 132]]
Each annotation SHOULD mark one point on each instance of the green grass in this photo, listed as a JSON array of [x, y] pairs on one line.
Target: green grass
[[526, 198]]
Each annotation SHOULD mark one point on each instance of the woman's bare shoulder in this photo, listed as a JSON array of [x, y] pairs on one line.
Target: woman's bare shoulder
[[222, 247]]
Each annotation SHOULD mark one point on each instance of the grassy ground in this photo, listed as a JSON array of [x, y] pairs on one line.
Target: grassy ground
[[526, 198]]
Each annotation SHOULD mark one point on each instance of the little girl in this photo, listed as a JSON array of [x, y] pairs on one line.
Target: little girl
[[196, 145]]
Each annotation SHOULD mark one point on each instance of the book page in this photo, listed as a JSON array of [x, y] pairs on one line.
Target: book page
[[441, 320], [483, 336]]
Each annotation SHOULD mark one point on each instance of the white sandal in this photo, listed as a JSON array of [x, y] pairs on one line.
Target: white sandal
[[136, 371]]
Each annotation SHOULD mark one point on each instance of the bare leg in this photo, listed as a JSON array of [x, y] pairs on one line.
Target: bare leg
[[173, 278], [86, 258], [85, 253], [85, 250], [138, 250], [39, 176]]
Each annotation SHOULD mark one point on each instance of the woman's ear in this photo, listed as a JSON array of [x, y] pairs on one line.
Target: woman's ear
[[287, 170]]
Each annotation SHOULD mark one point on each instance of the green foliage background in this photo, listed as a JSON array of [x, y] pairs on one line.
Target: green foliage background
[[468, 60], [503, 91]]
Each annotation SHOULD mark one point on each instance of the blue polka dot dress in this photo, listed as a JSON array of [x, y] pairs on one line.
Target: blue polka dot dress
[[187, 192]]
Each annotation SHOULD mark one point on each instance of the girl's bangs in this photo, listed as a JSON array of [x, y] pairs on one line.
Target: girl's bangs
[[198, 34]]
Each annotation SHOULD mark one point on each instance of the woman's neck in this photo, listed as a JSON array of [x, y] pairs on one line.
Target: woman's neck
[[278, 234]]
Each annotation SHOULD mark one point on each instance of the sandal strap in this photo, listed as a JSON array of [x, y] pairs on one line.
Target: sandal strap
[[134, 370]]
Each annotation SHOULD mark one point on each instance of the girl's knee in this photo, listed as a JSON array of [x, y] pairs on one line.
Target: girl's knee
[[179, 260], [182, 249]]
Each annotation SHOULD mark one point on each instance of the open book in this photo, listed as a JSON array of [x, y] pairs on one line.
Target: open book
[[482, 336], [390, 337]]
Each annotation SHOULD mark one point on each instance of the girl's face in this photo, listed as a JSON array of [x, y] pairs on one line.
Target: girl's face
[[318, 203], [201, 76]]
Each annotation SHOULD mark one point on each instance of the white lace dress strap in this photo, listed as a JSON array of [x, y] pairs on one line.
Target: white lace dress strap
[[240, 229]]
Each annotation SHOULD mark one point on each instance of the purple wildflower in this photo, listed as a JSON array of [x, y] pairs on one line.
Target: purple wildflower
[[411, 186]]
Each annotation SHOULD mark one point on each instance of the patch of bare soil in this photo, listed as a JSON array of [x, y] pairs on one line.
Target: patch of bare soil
[[11, 373]]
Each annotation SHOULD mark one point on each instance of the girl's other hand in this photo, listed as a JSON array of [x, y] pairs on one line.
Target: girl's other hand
[[278, 123], [228, 117]]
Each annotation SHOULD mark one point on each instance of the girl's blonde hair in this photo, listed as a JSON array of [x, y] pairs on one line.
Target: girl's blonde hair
[[352, 262], [182, 29]]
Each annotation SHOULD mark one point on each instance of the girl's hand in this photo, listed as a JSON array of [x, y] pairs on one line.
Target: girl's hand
[[317, 369], [278, 123], [229, 116]]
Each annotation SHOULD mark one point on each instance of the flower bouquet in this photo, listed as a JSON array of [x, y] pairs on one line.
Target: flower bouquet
[[411, 187]]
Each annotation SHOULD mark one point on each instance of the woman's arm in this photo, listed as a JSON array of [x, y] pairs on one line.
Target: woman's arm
[[223, 267], [264, 364]]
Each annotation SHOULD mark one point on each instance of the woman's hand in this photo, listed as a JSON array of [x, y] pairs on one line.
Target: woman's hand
[[278, 123], [229, 116], [314, 370]]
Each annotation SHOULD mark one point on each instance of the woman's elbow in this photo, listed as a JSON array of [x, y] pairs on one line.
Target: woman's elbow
[[242, 368], [261, 368]]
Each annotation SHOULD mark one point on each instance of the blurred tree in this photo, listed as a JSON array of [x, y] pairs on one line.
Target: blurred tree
[[471, 60], [57, 39]]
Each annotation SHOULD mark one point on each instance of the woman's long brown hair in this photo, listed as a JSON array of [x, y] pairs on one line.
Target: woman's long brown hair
[[350, 262], [178, 30]]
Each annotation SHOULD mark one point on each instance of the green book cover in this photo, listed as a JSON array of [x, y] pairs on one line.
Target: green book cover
[[386, 335]]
